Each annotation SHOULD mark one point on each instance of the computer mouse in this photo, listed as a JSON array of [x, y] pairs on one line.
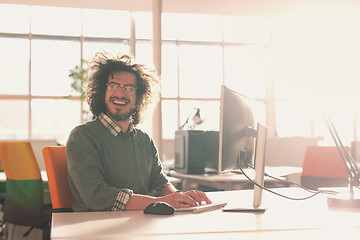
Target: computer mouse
[[159, 208]]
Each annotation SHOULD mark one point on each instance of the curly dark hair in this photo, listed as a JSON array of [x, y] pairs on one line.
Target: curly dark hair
[[104, 64]]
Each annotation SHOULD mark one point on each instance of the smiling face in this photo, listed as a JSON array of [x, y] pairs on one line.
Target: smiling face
[[120, 105]]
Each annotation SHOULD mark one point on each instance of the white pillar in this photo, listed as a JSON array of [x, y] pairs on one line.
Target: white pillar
[[156, 42]]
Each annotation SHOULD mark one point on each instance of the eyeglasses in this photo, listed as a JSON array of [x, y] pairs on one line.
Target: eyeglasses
[[128, 89]]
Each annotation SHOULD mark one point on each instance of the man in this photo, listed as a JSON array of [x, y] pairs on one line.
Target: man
[[112, 165]]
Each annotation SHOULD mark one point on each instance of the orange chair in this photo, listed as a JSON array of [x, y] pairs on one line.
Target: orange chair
[[55, 164], [24, 199], [323, 167]]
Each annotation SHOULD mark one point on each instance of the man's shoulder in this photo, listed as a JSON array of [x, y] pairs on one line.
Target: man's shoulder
[[89, 132], [84, 126], [141, 134], [92, 126]]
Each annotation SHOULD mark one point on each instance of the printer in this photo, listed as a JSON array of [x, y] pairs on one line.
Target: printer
[[195, 150]]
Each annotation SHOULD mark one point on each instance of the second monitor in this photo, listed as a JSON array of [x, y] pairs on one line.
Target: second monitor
[[237, 130], [220, 150]]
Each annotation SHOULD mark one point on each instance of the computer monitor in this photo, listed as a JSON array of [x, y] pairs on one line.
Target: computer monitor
[[259, 163], [236, 131]]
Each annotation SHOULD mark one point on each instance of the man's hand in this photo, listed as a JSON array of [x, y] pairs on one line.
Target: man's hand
[[187, 199]]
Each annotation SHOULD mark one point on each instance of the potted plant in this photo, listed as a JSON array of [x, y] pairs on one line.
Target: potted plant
[[80, 75]]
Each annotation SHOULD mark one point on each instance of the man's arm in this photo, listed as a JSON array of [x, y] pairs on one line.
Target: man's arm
[[169, 188], [170, 195], [86, 176]]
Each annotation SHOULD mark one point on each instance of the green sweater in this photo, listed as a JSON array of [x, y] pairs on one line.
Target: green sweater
[[100, 165]]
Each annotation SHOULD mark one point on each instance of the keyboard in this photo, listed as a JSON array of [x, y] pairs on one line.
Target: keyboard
[[202, 208]]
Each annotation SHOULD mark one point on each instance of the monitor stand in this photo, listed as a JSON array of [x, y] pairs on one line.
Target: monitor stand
[[344, 201]]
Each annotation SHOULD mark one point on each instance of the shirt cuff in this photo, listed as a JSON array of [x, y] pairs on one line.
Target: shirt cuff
[[122, 199]]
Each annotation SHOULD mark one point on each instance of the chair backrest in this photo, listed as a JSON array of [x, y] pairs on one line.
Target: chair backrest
[[18, 160], [323, 161], [55, 164], [323, 167], [24, 186]]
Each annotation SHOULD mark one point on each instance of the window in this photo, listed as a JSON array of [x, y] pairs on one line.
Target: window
[[51, 59], [61, 117], [14, 23], [202, 52], [316, 70], [245, 69], [36, 59], [15, 123], [66, 20], [201, 28], [200, 68], [15, 55], [292, 67], [94, 22]]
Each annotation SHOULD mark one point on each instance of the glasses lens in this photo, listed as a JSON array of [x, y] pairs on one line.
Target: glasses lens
[[129, 89], [113, 86]]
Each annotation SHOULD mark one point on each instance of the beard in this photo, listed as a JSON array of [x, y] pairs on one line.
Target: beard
[[120, 116]]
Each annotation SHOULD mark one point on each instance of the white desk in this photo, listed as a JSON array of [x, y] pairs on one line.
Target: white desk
[[233, 181], [43, 176], [284, 219]]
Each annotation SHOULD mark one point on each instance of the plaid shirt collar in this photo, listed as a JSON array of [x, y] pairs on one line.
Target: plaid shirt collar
[[112, 126]]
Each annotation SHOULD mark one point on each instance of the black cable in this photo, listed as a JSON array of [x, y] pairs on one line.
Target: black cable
[[273, 192], [297, 184]]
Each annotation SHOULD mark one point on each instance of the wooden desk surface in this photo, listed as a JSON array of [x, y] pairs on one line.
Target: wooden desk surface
[[283, 219]]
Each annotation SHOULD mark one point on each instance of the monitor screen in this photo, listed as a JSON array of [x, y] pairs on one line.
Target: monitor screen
[[236, 132]]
